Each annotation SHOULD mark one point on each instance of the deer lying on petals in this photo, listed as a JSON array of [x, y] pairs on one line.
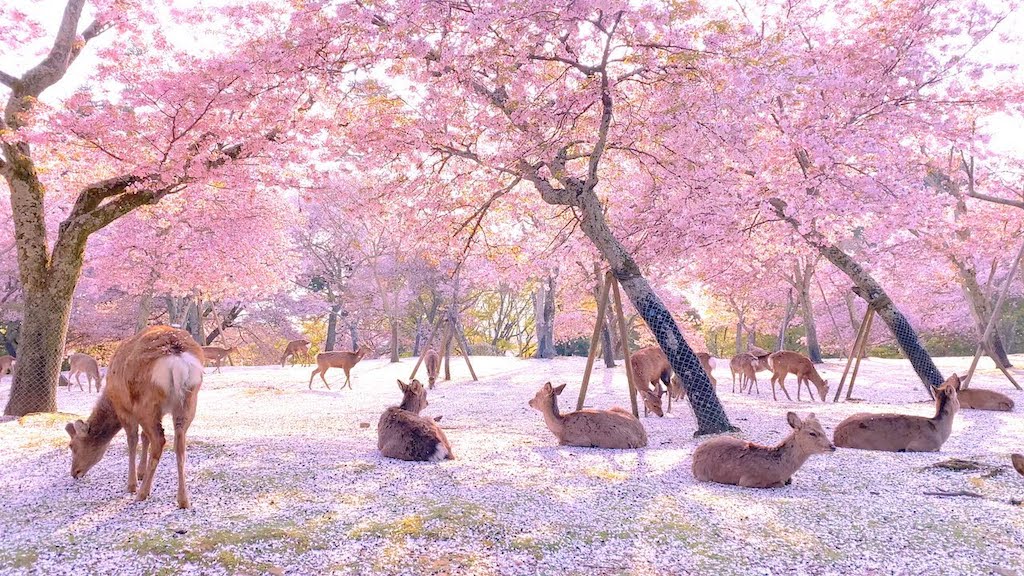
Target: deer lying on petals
[[1018, 463], [343, 360], [405, 435], [980, 399], [900, 432], [651, 367], [158, 370], [729, 460], [615, 428]]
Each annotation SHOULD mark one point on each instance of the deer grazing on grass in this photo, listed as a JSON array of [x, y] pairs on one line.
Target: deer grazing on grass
[[217, 354], [729, 460], [784, 363], [343, 360], [405, 435], [900, 432], [615, 428], [295, 349], [651, 367], [980, 399], [84, 364], [432, 362], [1018, 463], [158, 370]]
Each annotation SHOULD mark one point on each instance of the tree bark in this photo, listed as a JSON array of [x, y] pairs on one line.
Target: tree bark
[[739, 335], [606, 337], [981, 310], [871, 291], [810, 329], [780, 343], [394, 340], [419, 337], [544, 318], [332, 328], [145, 309], [353, 334]]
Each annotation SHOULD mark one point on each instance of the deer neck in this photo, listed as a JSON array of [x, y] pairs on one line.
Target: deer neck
[[789, 456], [552, 418], [944, 416], [103, 422], [410, 404]]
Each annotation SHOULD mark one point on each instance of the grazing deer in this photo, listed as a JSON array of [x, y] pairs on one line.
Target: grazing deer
[[84, 364], [6, 364], [784, 363], [980, 399], [343, 360], [729, 460], [432, 362], [676, 390], [744, 365], [651, 367], [158, 370], [216, 354], [1018, 463], [295, 349], [405, 435], [615, 428], [899, 432]]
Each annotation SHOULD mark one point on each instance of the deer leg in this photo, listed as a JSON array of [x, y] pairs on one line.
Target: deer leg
[[313, 375], [348, 379], [782, 385], [734, 383], [799, 383], [155, 430], [143, 457], [131, 432], [322, 373], [181, 424]]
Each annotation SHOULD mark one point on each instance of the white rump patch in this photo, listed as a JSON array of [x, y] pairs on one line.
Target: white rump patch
[[712, 362], [177, 375], [440, 453]]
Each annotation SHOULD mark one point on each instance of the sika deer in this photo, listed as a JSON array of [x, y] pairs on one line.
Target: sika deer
[[676, 390], [615, 428], [216, 354], [745, 365], [729, 460], [343, 360], [784, 362], [6, 365], [158, 370], [650, 366], [405, 435], [1018, 463], [899, 432], [432, 362], [84, 364], [980, 399], [295, 349]]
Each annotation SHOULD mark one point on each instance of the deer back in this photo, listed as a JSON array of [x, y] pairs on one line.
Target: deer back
[[615, 428], [405, 435], [981, 399]]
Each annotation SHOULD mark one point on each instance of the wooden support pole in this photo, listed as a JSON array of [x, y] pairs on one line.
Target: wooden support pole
[[602, 305], [860, 351], [446, 350], [460, 335], [853, 353], [625, 343], [430, 340], [992, 322]]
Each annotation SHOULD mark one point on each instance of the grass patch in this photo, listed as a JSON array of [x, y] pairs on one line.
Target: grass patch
[[438, 522], [606, 474], [24, 558], [48, 419]]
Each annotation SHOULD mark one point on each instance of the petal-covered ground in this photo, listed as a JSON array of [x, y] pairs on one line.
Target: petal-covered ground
[[285, 480]]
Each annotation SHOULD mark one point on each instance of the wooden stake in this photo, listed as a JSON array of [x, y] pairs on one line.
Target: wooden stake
[[860, 352], [460, 335], [625, 343], [992, 322], [430, 340], [602, 304], [853, 353]]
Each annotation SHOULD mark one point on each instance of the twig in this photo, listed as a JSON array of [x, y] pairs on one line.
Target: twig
[[955, 493]]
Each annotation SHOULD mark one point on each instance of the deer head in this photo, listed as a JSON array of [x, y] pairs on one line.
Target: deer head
[[810, 437], [85, 451]]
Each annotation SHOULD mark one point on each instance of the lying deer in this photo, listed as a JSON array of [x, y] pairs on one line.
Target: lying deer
[[432, 362], [615, 428], [343, 360], [784, 363], [651, 367], [295, 349], [6, 364], [899, 432], [84, 364], [1018, 463], [980, 399], [158, 370], [405, 435], [216, 354], [729, 460]]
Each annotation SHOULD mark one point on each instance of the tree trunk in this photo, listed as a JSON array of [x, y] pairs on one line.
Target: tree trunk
[[780, 344], [394, 341], [981, 310], [807, 312], [752, 338], [353, 334], [871, 291], [606, 336], [544, 318], [40, 351], [739, 335], [332, 328], [145, 309], [419, 337]]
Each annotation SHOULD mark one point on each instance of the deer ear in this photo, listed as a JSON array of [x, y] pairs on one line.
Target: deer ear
[[546, 386], [71, 429], [794, 420], [953, 381], [559, 389], [401, 386]]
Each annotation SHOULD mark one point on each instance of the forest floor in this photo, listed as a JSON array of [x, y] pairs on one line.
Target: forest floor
[[287, 480]]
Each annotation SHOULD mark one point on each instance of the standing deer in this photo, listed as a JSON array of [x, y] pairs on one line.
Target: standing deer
[[980, 399], [784, 362], [405, 435], [84, 364], [343, 360], [899, 432], [158, 370], [676, 390], [744, 365], [729, 460], [651, 367], [6, 364], [432, 362], [615, 428], [216, 354], [295, 349]]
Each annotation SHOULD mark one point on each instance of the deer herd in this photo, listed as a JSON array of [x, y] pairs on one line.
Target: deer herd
[[160, 371]]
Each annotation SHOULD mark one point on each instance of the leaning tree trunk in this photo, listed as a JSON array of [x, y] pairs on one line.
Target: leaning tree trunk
[[394, 340], [780, 343], [981, 311], [871, 291], [544, 318], [739, 335], [332, 328], [418, 338], [810, 330]]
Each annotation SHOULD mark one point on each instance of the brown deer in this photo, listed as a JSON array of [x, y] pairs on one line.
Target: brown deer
[[615, 428], [432, 362], [784, 363], [405, 435], [158, 370], [651, 367], [217, 354], [1018, 463], [744, 365], [84, 364], [980, 399], [729, 460], [6, 364], [900, 432], [676, 390], [343, 360], [295, 349]]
